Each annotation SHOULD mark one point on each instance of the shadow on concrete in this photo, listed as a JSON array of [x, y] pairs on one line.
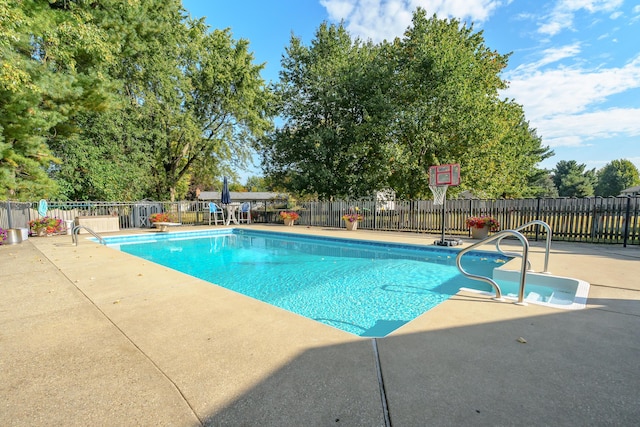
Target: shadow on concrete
[[575, 368]]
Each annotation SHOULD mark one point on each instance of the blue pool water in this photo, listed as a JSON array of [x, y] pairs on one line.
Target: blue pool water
[[365, 288]]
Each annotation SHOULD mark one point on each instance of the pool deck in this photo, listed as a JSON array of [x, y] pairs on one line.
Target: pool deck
[[93, 336]]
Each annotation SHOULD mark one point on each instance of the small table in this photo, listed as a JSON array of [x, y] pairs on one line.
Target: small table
[[231, 213]]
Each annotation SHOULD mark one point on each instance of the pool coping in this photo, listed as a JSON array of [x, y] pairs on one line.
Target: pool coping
[[95, 337]]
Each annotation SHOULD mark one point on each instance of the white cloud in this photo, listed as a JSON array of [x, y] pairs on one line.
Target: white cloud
[[576, 130], [549, 56], [386, 19], [561, 17], [564, 90], [338, 9]]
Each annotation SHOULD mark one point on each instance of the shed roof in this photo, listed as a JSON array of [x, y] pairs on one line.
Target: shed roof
[[631, 190]]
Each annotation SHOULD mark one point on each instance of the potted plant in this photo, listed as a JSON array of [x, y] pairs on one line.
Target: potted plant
[[3, 235], [45, 226], [352, 217], [159, 217], [481, 225], [289, 217], [161, 221]]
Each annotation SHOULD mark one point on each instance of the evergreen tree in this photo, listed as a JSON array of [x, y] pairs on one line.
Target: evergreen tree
[[53, 59], [572, 180], [541, 185]]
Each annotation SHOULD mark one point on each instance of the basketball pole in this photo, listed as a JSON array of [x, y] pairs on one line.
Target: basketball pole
[[443, 220]]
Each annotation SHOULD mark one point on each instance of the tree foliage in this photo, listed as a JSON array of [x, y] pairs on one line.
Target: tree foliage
[[572, 180], [360, 117], [541, 185], [333, 109], [122, 100], [52, 68], [615, 177]]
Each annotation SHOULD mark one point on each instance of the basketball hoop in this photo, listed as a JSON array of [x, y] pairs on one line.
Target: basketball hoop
[[440, 178]]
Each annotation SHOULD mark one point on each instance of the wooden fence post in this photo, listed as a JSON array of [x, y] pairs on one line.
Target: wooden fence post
[[627, 220]]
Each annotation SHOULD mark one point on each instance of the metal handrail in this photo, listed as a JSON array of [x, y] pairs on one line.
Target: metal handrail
[[76, 230], [496, 287], [547, 244]]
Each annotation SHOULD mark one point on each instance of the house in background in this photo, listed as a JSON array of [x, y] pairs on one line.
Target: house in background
[[631, 191]]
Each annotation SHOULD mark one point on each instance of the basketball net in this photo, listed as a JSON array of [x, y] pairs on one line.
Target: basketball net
[[439, 193]]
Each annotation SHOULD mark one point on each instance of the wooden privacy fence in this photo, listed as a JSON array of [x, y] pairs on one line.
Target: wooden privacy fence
[[594, 219]]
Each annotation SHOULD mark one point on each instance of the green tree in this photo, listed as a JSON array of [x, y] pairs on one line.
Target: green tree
[[572, 180], [52, 61], [448, 111], [256, 183], [331, 143], [226, 98], [541, 185], [361, 117], [615, 177], [107, 160], [191, 104], [112, 158]]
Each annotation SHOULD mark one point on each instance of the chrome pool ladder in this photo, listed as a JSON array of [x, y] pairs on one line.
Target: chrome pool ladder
[[547, 244], [76, 230], [526, 264]]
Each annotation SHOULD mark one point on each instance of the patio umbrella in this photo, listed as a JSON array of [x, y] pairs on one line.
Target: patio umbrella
[[225, 198]]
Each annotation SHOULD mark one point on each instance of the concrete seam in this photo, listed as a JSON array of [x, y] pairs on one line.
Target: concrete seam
[[383, 393], [614, 287]]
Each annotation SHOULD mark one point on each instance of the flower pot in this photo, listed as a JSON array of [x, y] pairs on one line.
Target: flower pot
[[289, 221], [479, 232], [351, 226]]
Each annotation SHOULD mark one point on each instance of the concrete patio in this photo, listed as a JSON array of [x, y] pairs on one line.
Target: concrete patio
[[93, 336]]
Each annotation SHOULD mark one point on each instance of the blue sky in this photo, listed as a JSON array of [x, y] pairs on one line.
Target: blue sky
[[575, 64]]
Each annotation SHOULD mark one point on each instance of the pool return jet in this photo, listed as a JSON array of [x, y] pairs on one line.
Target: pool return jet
[[442, 177]]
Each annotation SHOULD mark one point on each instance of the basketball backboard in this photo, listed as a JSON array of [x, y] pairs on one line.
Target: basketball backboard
[[441, 175]]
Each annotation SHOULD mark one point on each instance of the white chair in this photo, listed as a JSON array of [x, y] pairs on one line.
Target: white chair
[[215, 213], [244, 213]]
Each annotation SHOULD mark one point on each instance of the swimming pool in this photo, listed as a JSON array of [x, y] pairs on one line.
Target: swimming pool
[[365, 288]]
